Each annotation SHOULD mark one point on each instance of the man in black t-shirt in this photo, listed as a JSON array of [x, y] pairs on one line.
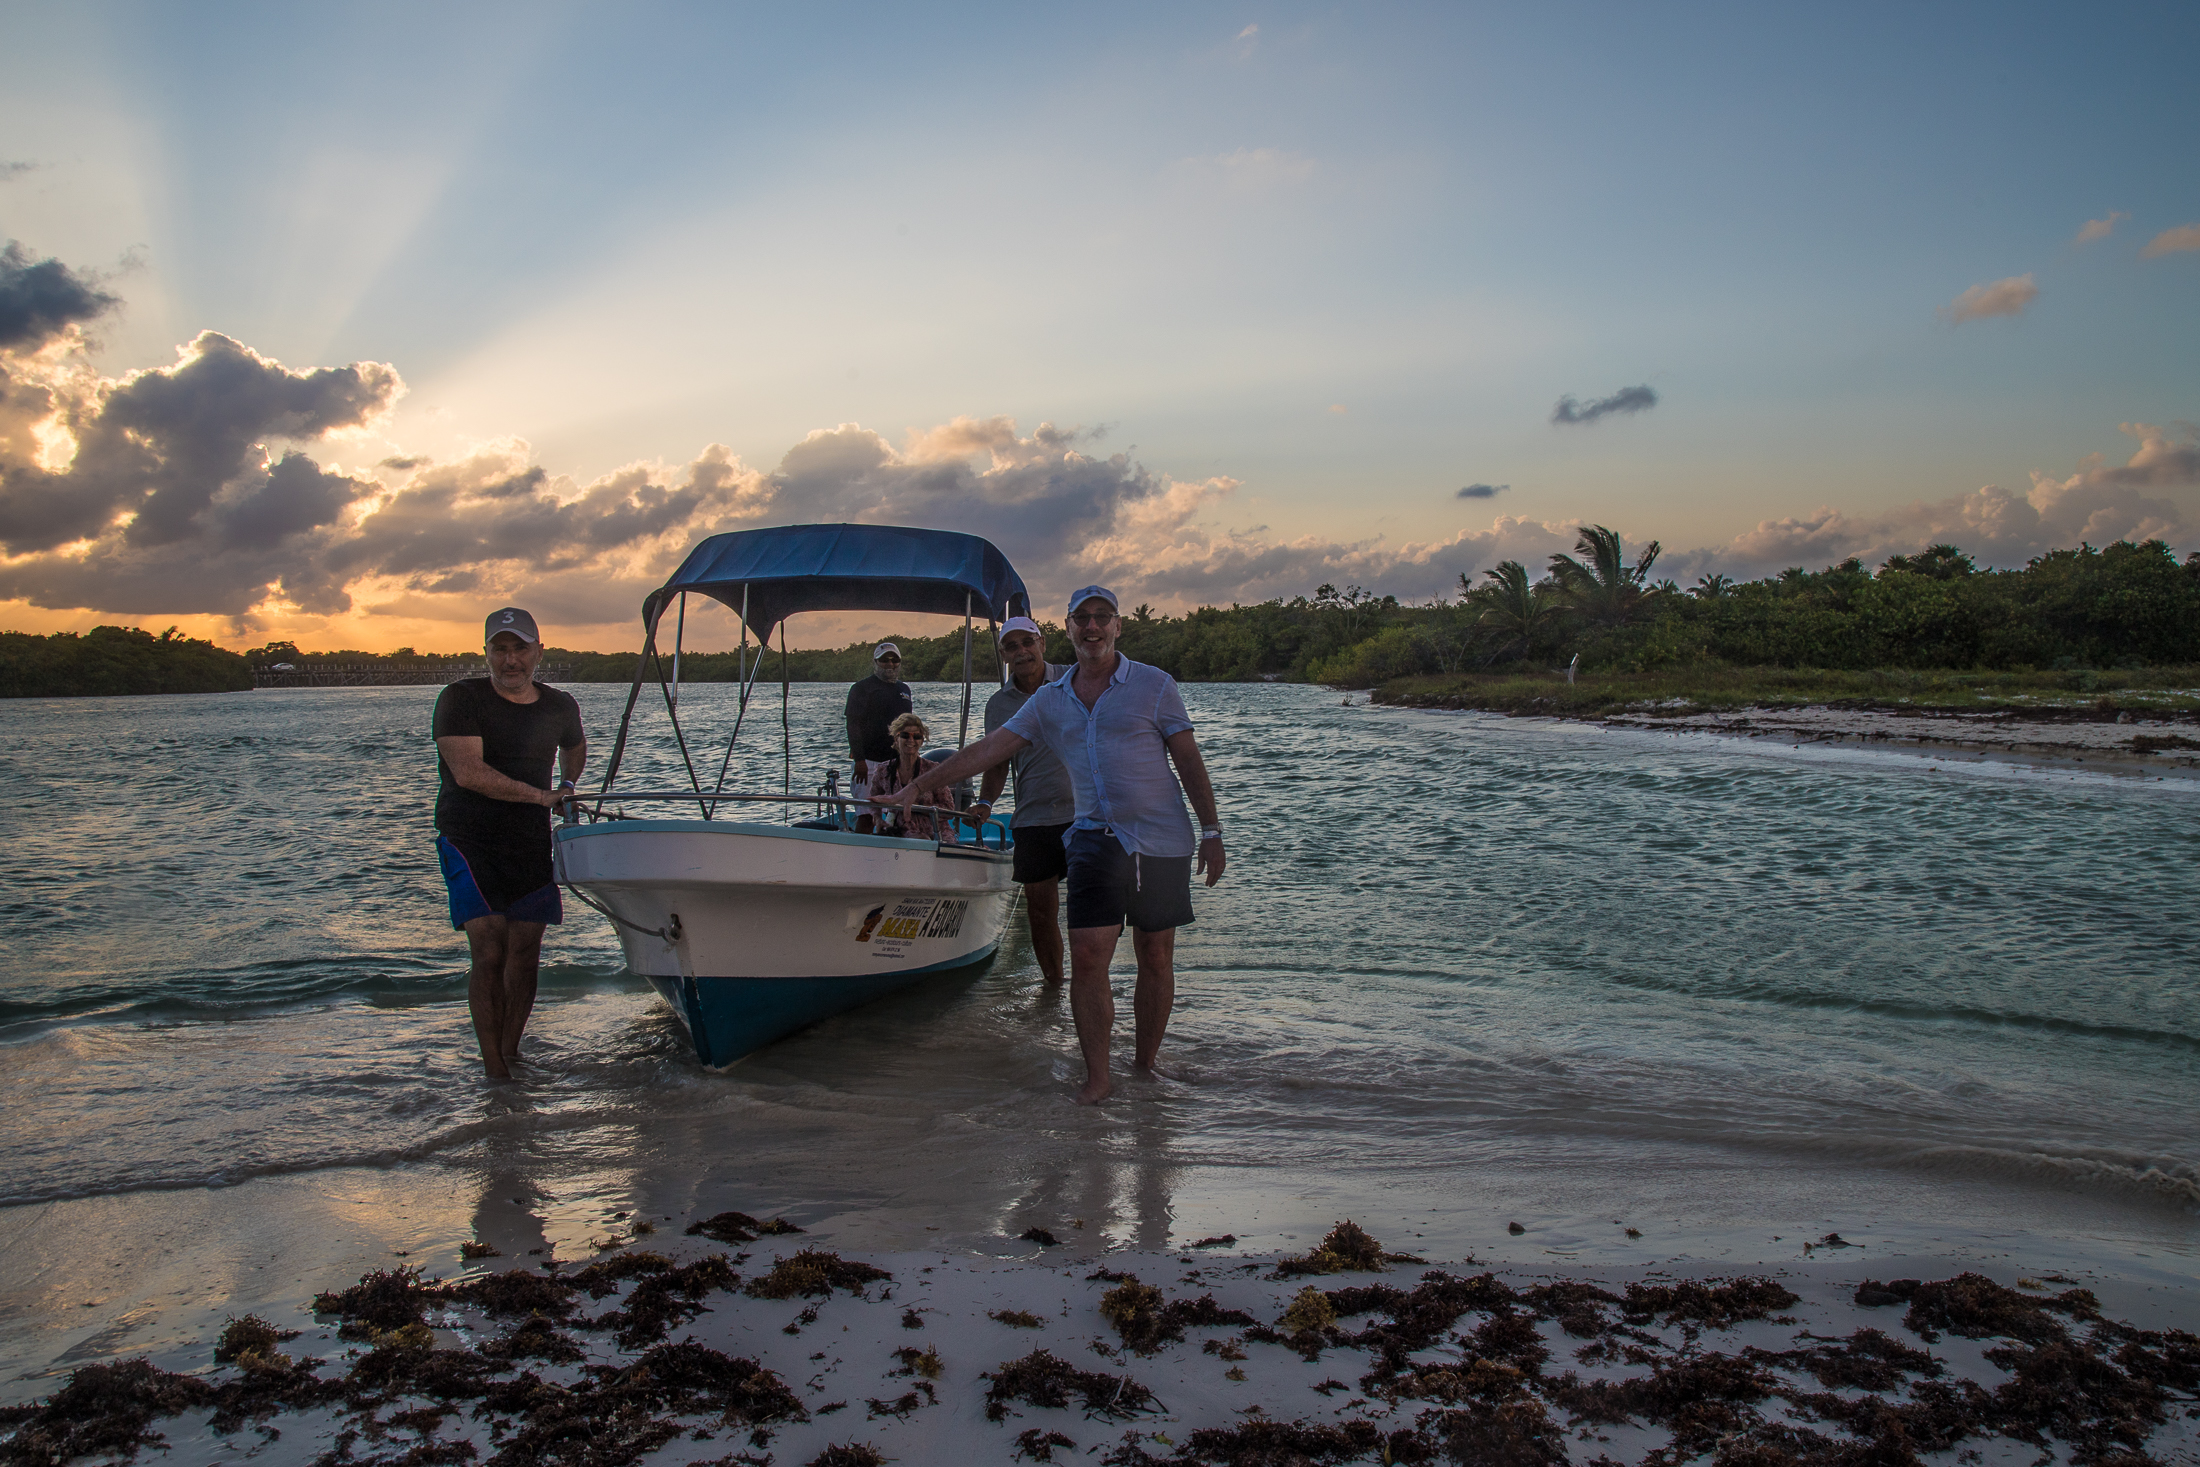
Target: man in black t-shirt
[[497, 740], [873, 705]]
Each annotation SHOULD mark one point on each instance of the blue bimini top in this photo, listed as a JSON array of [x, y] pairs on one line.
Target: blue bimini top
[[790, 568]]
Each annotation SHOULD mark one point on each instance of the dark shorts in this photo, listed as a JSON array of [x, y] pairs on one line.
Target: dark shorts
[[1041, 853], [481, 884], [1109, 886]]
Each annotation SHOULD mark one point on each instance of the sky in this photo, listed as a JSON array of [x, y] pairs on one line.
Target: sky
[[346, 325]]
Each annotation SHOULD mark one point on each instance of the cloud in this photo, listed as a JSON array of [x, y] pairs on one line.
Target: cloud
[[2001, 298], [1626, 400], [1339, 409], [1482, 491], [154, 451], [2100, 228], [2172, 241], [41, 299], [2096, 505], [9, 172]]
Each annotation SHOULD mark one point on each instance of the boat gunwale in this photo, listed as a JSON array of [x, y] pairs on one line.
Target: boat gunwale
[[774, 832]]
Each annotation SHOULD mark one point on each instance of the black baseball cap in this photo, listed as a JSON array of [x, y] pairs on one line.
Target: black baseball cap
[[510, 619]]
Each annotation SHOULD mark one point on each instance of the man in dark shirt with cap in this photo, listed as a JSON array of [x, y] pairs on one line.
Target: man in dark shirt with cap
[[873, 704], [497, 740]]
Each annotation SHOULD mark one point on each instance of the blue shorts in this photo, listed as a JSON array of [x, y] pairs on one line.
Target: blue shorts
[[1109, 886], [544, 904]]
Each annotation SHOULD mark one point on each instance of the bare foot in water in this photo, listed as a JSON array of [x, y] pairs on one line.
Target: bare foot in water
[[1096, 1090]]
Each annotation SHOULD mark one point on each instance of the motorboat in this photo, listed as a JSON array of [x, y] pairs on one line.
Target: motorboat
[[757, 913]]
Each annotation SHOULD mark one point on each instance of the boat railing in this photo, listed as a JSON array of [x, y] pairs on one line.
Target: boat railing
[[583, 807]]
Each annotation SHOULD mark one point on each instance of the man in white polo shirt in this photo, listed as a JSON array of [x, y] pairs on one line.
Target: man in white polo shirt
[[1117, 726]]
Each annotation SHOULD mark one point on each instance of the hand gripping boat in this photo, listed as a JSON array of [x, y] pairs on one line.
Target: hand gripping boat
[[752, 923]]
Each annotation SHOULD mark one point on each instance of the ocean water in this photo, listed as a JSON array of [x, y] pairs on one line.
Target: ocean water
[[1465, 971]]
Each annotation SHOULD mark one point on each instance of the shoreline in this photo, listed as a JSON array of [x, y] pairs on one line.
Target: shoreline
[[2133, 744], [747, 1344]]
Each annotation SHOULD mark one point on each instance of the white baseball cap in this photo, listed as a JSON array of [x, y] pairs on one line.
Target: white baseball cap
[[1091, 591], [882, 649], [1021, 624]]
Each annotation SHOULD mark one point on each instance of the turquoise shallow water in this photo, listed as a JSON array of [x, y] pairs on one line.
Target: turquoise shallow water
[[1464, 969]]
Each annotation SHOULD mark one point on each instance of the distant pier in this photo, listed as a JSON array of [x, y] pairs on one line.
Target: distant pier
[[379, 674]]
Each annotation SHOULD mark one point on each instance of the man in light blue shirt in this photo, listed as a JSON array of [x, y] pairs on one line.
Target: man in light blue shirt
[[1118, 726]]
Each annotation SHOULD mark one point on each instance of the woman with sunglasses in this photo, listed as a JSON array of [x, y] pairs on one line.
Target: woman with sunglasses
[[888, 776]]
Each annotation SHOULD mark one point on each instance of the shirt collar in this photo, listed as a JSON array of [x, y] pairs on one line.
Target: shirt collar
[[1122, 671]]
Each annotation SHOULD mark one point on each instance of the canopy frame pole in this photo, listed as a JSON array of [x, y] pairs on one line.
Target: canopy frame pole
[[673, 713], [742, 677], [786, 738], [679, 637], [964, 737], [633, 695]]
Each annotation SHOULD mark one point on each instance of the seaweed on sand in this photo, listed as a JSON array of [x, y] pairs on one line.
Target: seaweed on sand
[[814, 1272], [616, 1415], [394, 1371], [726, 1227], [268, 1382], [1040, 1379], [537, 1338], [1975, 1307], [1699, 1398], [739, 1227], [601, 1279], [1577, 1307], [104, 1410], [517, 1291], [852, 1454], [1512, 1432], [1866, 1360], [1038, 1446], [1347, 1249], [2066, 1390], [666, 1298], [1264, 1443], [1146, 1321], [251, 1335], [1422, 1318], [1719, 1303], [385, 1301]]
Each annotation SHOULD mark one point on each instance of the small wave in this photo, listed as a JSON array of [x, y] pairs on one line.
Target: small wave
[[1794, 998], [2142, 1179], [263, 989]]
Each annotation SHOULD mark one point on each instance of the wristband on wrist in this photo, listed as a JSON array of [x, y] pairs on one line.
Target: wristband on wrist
[[1212, 832]]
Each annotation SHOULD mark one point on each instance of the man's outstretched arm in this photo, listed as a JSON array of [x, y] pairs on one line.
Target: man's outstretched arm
[[995, 747]]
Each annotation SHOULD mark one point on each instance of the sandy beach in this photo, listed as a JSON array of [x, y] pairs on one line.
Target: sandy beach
[[727, 1340], [2125, 744]]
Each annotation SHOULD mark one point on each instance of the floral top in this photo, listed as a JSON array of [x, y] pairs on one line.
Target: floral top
[[885, 779]]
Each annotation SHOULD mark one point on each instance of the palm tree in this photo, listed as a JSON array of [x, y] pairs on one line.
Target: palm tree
[[1602, 587], [1710, 587], [1509, 608]]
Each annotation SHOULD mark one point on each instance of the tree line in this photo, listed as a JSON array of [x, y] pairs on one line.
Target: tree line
[[106, 661], [2127, 605], [2123, 606]]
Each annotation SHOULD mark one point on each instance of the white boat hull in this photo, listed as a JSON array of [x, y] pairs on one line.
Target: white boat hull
[[752, 931]]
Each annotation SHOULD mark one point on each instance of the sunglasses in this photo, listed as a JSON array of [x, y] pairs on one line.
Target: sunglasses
[[886, 659], [914, 735], [1092, 618]]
